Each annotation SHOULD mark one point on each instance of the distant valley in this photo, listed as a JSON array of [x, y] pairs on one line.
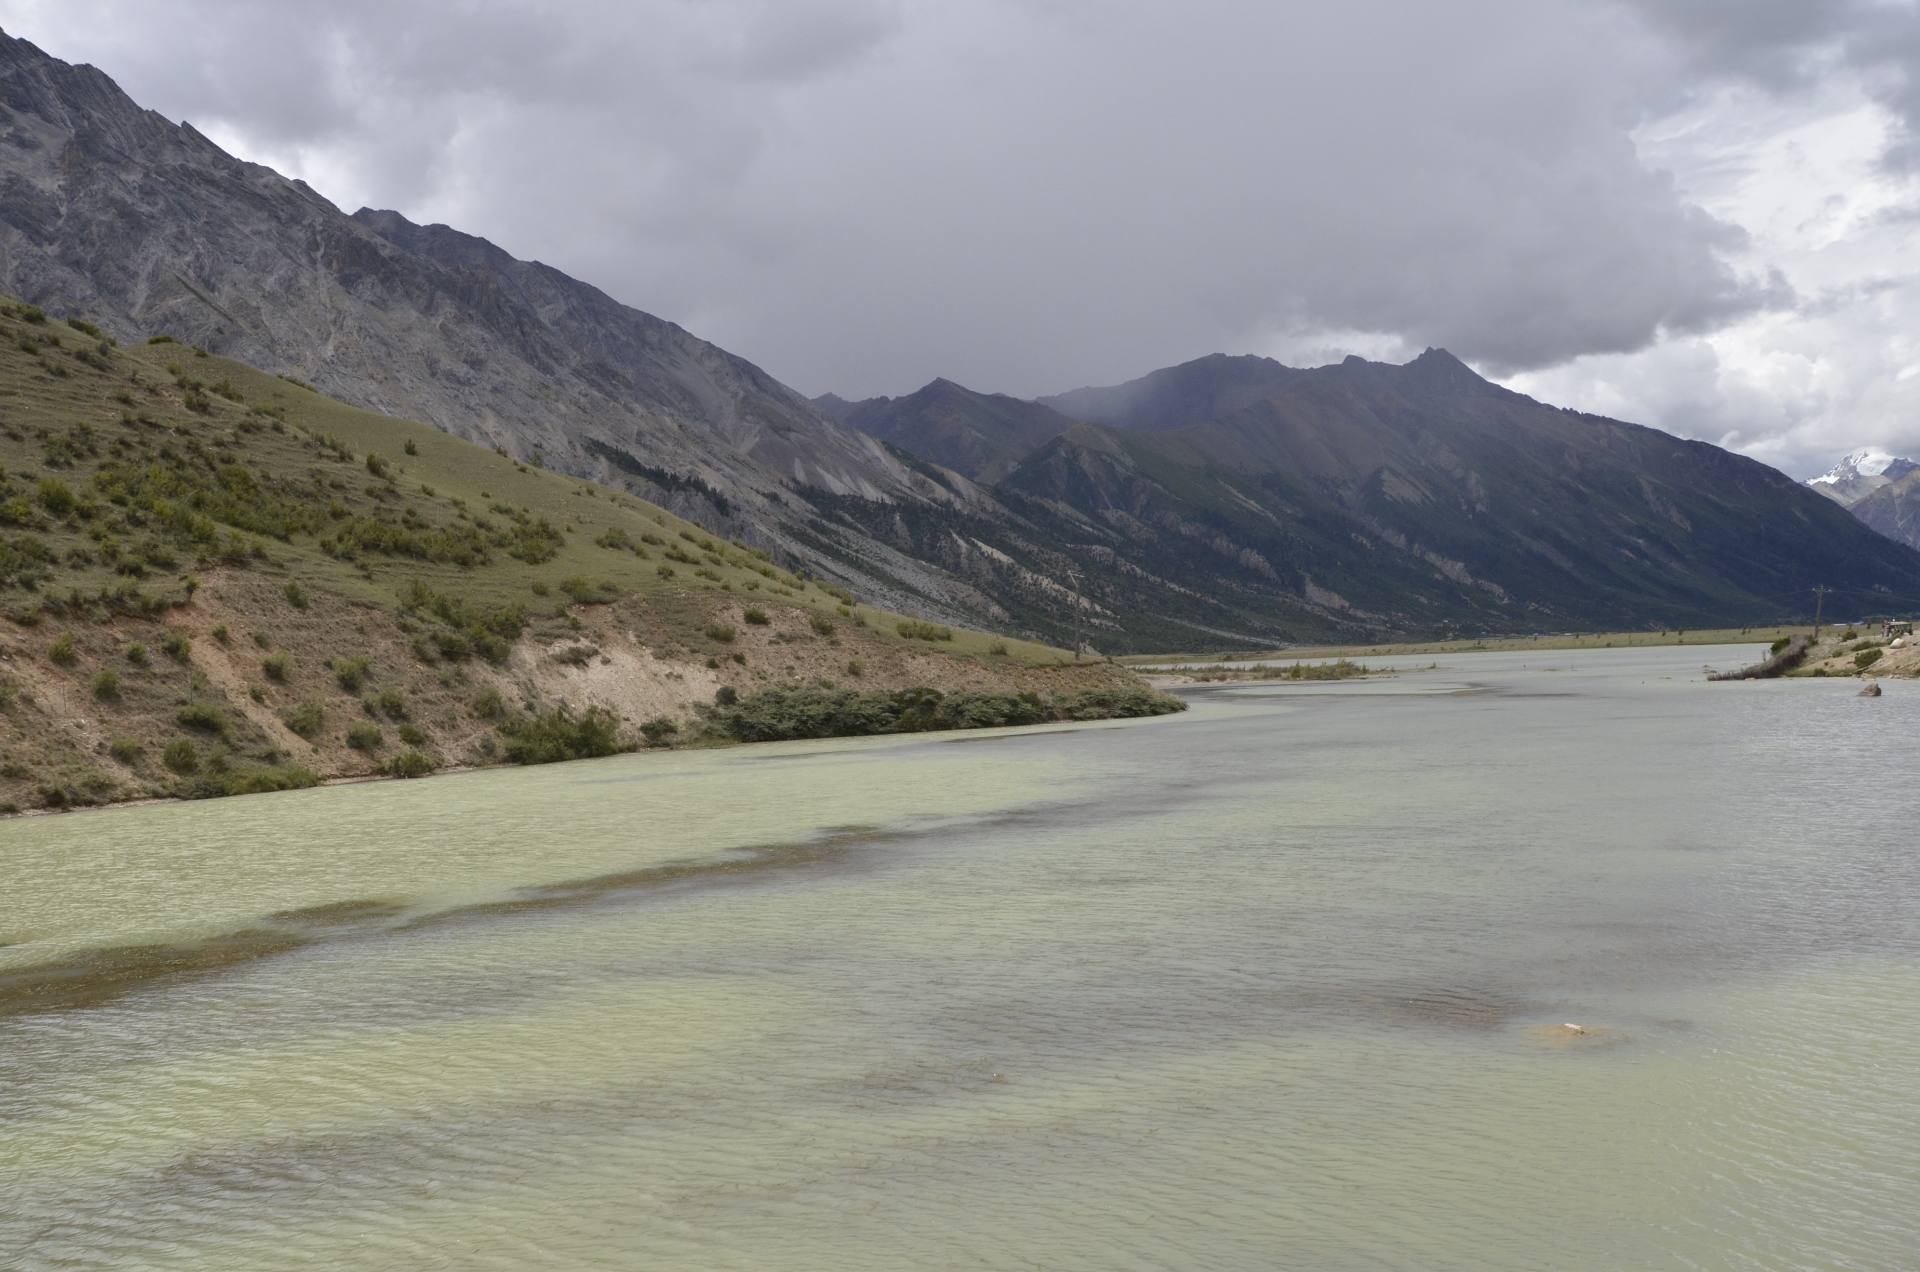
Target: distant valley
[[1225, 501]]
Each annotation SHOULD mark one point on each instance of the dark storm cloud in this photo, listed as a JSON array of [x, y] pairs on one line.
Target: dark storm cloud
[[1022, 195]]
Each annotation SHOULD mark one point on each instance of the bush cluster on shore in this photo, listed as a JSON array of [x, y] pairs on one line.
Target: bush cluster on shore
[[560, 734], [818, 711], [1339, 669]]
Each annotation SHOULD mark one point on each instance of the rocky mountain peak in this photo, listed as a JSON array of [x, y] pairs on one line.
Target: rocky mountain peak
[[1860, 473], [1438, 369]]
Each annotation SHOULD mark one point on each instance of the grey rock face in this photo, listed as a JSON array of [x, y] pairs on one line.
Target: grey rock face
[[1894, 508]]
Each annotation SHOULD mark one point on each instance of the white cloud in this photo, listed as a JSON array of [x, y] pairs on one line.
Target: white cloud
[[1804, 175]]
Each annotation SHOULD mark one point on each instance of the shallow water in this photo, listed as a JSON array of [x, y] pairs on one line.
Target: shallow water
[[1281, 982]]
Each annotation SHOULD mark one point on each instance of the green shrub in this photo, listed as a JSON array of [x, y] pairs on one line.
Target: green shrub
[[658, 730], [489, 632], [203, 716], [376, 465], [914, 629], [296, 595], [725, 696], [588, 593], [181, 757], [392, 704], [409, 764], [575, 655], [125, 750], [1779, 644], [277, 668], [756, 617], [106, 686], [821, 624], [551, 736], [488, 706], [721, 633], [307, 719], [223, 779], [856, 668], [998, 649], [351, 673], [222, 635], [535, 542], [62, 650], [411, 447], [176, 646], [808, 711], [26, 562], [55, 496], [412, 735], [365, 737], [1866, 658]]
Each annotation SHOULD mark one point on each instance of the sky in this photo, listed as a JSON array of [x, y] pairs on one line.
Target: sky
[[1702, 215]]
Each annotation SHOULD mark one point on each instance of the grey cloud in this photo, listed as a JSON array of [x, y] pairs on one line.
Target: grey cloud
[[862, 195]]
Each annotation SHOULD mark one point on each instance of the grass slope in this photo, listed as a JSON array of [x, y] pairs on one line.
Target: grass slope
[[216, 581]]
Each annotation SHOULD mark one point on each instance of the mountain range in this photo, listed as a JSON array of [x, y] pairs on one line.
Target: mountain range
[[1882, 490], [1413, 497], [1228, 500]]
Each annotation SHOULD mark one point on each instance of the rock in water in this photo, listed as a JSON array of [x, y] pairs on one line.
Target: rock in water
[[1872, 690]]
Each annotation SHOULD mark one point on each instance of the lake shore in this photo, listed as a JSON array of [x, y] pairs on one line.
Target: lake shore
[[1480, 644], [1088, 708]]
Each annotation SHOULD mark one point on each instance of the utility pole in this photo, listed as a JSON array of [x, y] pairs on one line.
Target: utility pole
[[1819, 602], [1079, 629]]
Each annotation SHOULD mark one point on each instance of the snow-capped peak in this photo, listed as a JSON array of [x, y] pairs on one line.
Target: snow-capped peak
[[1870, 462], [1860, 473]]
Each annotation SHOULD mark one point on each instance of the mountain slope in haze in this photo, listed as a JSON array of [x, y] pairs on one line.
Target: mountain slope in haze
[[1893, 509], [1174, 397], [146, 226], [1860, 474], [981, 435], [1423, 497]]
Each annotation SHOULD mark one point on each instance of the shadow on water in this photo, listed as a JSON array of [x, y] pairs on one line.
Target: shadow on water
[[95, 977], [100, 976]]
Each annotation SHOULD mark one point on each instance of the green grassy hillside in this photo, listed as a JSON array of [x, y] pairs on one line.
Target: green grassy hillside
[[196, 556]]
